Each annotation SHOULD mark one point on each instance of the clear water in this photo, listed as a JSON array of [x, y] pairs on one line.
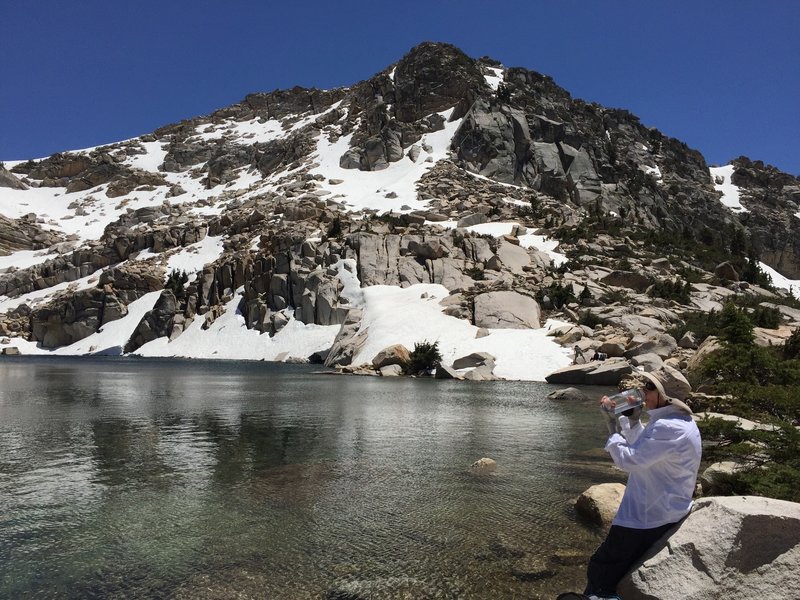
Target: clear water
[[125, 478]]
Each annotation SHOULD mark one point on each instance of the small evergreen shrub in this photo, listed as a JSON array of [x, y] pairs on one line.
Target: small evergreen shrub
[[424, 358], [335, 230], [176, 282], [558, 294], [791, 348], [671, 289]]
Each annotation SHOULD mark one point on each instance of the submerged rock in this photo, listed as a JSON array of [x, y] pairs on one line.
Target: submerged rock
[[483, 466]]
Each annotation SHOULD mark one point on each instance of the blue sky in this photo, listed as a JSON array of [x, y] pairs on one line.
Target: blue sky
[[723, 76]]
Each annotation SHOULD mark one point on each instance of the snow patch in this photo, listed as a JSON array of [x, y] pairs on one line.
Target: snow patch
[[229, 338], [654, 171], [361, 190], [494, 77], [410, 315], [780, 281], [730, 192]]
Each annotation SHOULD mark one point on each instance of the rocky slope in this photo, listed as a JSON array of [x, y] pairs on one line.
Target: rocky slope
[[441, 170]]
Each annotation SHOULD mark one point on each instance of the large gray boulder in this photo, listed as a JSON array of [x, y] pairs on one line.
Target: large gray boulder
[[476, 359], [728, 547], [608, 372], [392, 355], [599, 504], [481, 373], [661, 344], [513, 257], [348, 341], [506, 310], [9, 180]]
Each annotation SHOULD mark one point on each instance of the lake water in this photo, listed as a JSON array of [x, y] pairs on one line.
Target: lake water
[[130, 478]]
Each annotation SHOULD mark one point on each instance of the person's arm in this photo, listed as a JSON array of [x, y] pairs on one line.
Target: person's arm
[[649, 448], [631, 429]]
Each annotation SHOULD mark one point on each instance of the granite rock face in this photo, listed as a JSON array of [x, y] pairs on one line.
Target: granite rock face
[[506, 310], [772, 197], [525, 155], [738, 547]]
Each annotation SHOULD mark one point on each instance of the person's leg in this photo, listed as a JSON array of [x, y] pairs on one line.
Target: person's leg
[[622, 547]]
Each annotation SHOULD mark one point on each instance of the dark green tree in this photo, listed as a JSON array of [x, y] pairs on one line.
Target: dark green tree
[[176, 282], [424, 358], [735, 327]]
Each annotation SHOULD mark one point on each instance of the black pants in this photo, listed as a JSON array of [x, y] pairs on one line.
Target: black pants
[[622, 547]]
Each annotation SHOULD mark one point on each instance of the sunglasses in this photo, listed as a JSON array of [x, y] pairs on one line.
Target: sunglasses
[[650, 386]]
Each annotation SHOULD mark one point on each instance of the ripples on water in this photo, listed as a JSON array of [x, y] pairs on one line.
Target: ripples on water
[[176, 479]]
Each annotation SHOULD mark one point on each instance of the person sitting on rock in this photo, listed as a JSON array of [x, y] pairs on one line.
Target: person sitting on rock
[[662, 460], [599, 355]]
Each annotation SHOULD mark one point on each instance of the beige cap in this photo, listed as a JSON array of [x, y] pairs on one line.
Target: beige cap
[[659, 383]]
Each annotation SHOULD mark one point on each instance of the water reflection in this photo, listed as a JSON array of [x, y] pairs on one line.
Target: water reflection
[[131, 478]]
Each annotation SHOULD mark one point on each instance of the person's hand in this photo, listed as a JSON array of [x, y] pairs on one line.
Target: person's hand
[[607, 403]]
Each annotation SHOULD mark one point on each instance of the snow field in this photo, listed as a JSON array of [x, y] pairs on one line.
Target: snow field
[[411, 315], [730, 192], [368, 189]]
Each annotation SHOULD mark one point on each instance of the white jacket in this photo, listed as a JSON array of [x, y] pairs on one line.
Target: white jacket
[[662, 460]]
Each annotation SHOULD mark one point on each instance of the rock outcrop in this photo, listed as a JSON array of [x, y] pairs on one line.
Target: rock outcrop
[[609, 372], [506, 310], [727, 547]]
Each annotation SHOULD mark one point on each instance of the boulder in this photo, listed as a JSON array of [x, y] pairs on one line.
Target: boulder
[[9, 180], [570, 336], [513, 257], [608, 372], [481, 373], [392, 355], [726, 271], [613, 348], [472, 219], [710, 345], [429, 249], [599, 503], [348, 341], [728, 547], [675, 384], [476, 359], [649, 361], [506, 310], [689, 341], [483, 466], [570, 394], [771, 337], [662, 344], [391, 371], [626, 279], [445, 372]]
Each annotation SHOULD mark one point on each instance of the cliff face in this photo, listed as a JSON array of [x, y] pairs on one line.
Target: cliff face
[[773, 199], [437, 170]]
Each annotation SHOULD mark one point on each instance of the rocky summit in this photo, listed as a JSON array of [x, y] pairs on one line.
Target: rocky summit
[[445, 198]]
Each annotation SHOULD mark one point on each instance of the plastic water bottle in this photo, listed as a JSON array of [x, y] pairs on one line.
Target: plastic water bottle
[[624, 400]]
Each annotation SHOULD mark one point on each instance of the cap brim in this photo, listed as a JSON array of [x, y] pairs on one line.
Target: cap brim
[[659, 387]]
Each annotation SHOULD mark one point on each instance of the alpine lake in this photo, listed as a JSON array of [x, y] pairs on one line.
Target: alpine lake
[[140, 478]]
